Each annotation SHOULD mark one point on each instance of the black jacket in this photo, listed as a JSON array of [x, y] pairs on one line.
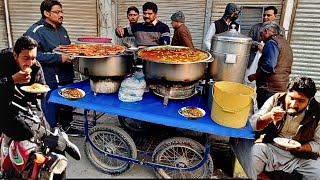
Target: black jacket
[[10, 125]]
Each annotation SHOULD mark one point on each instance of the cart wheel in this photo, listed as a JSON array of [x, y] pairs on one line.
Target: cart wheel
[[181, 152], [134, 125], [113, 140]]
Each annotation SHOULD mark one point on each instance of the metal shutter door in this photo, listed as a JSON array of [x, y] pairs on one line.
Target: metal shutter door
[[80, 17], [3, 29], [194, 12], [305, 40]]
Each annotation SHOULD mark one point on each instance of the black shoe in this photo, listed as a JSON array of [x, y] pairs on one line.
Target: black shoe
[[71, 131]]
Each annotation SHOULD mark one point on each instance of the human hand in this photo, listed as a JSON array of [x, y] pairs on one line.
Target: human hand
[[120, 31], [260, 47], [252, 77], [21, 77], [277, 113], [66, 58]]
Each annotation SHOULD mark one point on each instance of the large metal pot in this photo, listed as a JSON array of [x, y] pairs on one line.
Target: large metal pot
[[231, 52], [175, 71], [111, 66]]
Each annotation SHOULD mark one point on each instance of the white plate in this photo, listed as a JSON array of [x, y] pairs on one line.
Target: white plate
[[287, 143], [36, 91], [188, 116], [61, 93]]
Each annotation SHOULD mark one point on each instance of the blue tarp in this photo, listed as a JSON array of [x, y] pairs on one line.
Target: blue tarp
[[152, 110]]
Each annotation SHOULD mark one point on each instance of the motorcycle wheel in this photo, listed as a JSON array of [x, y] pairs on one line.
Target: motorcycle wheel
[[112, 140], [11, 174], [184, 153]]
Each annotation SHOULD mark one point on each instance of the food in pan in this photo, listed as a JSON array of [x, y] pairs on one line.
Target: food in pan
[[191, 112], [173, 54], [71, 93], [90, 49]]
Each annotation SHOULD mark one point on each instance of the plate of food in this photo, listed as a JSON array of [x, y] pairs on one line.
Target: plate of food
[[287, 143], [191, 112], [72, 93], [36, 88]]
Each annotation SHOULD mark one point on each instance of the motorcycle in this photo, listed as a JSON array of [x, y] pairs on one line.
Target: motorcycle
[[40, 158]]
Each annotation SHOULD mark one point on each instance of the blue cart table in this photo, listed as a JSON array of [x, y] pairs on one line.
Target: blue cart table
[[151, 109]]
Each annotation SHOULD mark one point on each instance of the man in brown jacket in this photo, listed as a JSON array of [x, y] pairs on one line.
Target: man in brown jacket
[[294, 115], [274, 65], [182, 35]]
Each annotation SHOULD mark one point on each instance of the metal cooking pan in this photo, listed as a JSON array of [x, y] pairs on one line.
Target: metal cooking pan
[[174, 71]]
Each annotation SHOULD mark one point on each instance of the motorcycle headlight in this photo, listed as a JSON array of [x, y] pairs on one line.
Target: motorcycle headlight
[[57, 163]]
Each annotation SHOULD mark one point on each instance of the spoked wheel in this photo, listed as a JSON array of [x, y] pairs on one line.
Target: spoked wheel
[[183, 153], [112, 140], [134, 125]]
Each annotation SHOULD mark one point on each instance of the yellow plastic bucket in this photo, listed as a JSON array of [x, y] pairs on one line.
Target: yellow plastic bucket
[[231, 103]]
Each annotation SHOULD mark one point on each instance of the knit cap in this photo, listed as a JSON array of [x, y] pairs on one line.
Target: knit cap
[[178, 16]]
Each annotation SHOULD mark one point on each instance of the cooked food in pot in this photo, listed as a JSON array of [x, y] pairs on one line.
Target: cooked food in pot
[[90, 49], [173, 54]]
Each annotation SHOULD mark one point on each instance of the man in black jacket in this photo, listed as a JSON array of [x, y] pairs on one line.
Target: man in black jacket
[[13, 75], [20, 68]]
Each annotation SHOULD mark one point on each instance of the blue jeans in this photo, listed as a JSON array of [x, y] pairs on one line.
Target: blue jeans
[[55, 113], [262, 96]]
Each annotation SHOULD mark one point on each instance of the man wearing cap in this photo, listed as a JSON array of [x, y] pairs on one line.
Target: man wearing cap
[[182, 35], [229, 17]]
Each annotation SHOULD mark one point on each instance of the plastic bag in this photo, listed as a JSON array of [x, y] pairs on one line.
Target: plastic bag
[[253, 68], [132, 88]]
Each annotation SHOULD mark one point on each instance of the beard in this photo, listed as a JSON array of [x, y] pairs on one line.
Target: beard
[[295, 111]]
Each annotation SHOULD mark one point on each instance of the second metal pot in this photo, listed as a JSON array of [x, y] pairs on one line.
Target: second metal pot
[[116, 65], [174, 72]]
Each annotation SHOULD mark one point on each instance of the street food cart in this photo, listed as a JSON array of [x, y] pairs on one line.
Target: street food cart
[[174, 73], [112, 150]]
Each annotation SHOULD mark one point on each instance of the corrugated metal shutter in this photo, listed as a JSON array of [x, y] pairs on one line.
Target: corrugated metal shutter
[[80, 16], [251, 14], [194, 12], [3, 29], [305, 39]]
